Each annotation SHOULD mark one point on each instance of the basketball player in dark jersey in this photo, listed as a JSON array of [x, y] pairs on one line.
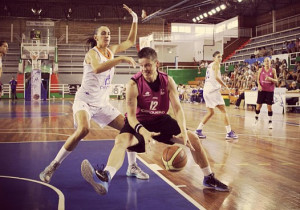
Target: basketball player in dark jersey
[[266, 79], [148, 95]]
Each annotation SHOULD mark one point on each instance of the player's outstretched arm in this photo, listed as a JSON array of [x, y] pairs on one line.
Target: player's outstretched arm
[[98, 67], [131, 39]]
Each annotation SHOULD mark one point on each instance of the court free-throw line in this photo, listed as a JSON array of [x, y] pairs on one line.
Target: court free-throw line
[[61, 197]]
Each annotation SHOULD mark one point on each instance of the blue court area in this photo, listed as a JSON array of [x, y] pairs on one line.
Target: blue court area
[[29, 109], [27, 160]]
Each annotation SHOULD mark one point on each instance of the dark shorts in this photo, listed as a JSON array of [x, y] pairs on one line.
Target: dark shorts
[[166, 125], [264, 97]]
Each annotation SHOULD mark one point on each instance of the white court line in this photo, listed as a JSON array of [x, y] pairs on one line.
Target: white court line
[[154, 167], [61, 197], [254, 135], [37, 132], [13, 129], [52, 141]]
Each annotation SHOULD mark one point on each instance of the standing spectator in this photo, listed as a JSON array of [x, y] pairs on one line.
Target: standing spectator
[[13, 86], [3, 51]]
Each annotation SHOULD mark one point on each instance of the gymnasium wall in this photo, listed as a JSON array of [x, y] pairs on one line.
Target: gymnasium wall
[[79, 31]]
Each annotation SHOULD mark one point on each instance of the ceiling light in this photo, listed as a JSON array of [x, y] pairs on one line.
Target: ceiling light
[[214, 11], [197, 18], [210, 13], [218, 9], [205, 14], [223, 6], [194, 20], [201, 16], [240, 0]]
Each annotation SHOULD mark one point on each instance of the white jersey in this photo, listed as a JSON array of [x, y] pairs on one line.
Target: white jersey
[[94, 88], [211, 84]]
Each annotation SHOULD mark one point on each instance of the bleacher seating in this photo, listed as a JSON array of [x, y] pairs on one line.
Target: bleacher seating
[[274, 40]]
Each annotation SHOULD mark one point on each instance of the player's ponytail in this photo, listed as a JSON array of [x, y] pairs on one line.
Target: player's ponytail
[[91, 40]]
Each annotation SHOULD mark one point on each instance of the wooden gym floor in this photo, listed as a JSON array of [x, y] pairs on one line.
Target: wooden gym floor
[[262, 167]]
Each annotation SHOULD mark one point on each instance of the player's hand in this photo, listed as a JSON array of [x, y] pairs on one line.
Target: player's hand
[[133, 14], [148, 137], [259, 88], [186, 141], [129, 60]]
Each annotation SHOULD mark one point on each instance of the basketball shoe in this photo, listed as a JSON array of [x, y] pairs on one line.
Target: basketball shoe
[[134, 170], [200, 134], [98, 178], [213, 183], [46, 175], [231, 135]]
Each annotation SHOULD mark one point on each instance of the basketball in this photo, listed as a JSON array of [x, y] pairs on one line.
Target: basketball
[[174, 158]]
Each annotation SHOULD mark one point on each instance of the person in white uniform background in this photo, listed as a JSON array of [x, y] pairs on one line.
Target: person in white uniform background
[[92, 98], [3, 51], [213, 97]]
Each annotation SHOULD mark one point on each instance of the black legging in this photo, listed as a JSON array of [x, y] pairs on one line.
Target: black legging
[[241, 97]]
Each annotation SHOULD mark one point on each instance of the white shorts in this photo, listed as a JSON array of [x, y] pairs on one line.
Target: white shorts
[[213, 98], [101, 115]]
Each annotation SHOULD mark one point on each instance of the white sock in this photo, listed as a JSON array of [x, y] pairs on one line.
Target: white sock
[[131, 157], [200, 126], [270, 118], [62, 154], [228, 128], [112, 171], [206, 171]]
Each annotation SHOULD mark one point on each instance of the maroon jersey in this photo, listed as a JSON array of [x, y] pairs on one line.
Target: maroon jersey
[[266, 85], [151, 104]]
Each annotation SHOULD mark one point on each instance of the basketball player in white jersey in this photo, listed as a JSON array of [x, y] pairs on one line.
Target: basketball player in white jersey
[[213, 97], [92, 98], [3, 51]]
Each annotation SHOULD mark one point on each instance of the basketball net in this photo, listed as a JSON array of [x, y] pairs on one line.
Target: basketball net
[[34, 55]]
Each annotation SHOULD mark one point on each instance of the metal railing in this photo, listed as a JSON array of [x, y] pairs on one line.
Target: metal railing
[[280, 25]]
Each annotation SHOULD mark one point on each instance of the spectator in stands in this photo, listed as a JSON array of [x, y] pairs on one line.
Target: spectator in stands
[[3, 51], [263, 52], [252, 87], [292, 101], [291, 47], [92, 99], [180, 90], [270, 52], [13, 87], [285, 47], [277, 65], [297, 45], [284, 64], [1, 90], [205, 64], [257, 52], [289, 76]]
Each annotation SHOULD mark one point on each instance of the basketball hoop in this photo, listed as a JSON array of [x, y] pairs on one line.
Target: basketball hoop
[[34, 55]]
